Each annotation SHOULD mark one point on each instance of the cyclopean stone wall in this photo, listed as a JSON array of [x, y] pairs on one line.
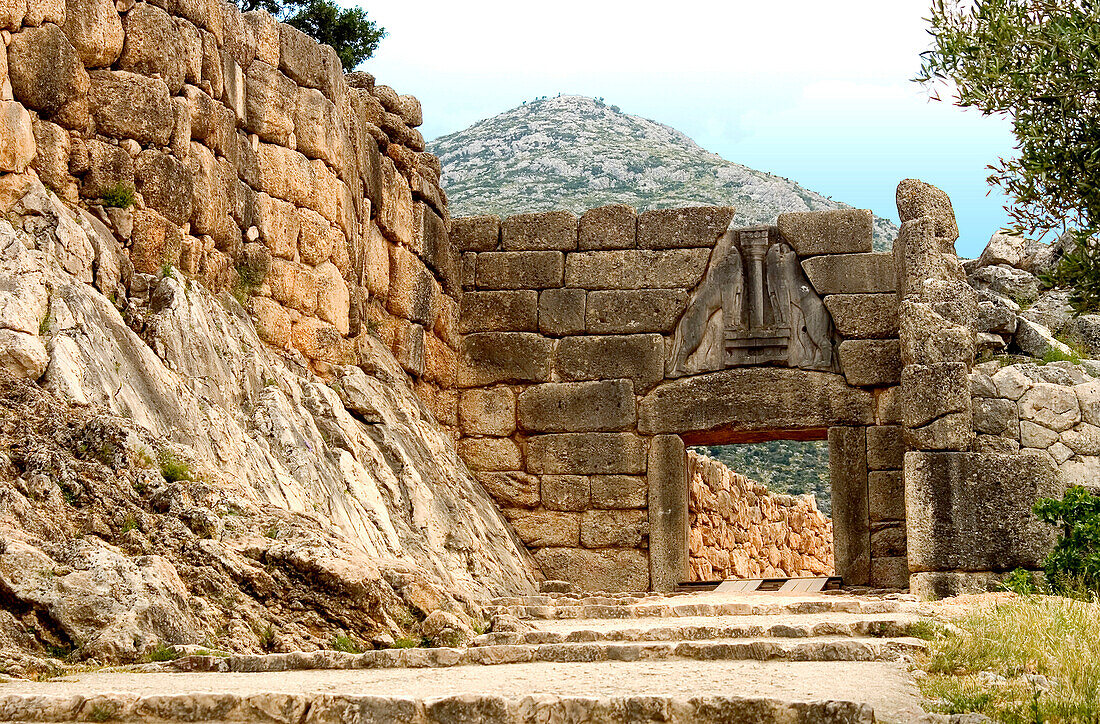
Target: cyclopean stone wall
[[595, 348], [740, 530], [258, 166]]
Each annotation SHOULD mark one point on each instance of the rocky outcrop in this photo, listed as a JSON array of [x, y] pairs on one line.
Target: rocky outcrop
[[740, 530], [173, 480]]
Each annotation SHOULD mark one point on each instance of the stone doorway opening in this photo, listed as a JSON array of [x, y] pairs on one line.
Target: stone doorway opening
[[759, 510]]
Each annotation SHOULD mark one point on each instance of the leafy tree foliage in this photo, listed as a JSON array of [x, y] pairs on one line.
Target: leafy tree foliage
[[347, 30], [1037, 63], [1074, 564]]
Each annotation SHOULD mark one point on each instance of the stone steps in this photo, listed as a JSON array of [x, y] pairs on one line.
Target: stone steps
[[462, 709], [752, 649], [892, 627], [627, 608]]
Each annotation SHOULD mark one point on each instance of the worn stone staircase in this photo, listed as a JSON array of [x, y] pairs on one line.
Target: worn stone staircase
[[555, 657]]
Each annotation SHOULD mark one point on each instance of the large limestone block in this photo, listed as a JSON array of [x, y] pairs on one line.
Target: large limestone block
[[395, 215], [586, 453], [332, 296], [543, 528], [994, 416], [165, 184], [614, 528], [752, 400], [561, 311], [606, 569], [928, 338], [578, 407], [870, 362], [490, 453], [892, 572], [973, 511], [615, 311], [948, 584], [520, 269], [566, 492], [864, 316], [540, 232], [619, 491], [851, 507], [45, 11], [837, 231], [851, 273], [51, 161], [511, 488], [269, 103], [237, 39], [95, 30], [378, 262], [45, 71], [637, 357], [492, 357], [316, 126], [414, 293], [441, 256], [319, 240], [490, 411], [885, 495], [12, 14], [933, 391], [293, 285], [608, 227], [286, 174], [408, 347], [500, 311], [885, 447], [17, 146], [635, 268], [476, 233], [668, 512], [127, 105], [156, 242], [1055, 407], [22, 354], [265, 33], [108, 166], [917, 198], [153, 46], [300, 57], [685, 227], [279, 225], [273, 322]]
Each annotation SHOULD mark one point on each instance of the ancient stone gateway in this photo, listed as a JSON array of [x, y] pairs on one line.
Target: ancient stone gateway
[[596, 349]]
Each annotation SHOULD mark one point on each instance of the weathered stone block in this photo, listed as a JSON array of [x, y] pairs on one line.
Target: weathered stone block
[[635, 268], [928, 338], [512, 488], [885, 447], [953, 431], [619, 491], [887, 540], [539, 232], [851, 512], [300, 57], [933, 391], [95, 30], [476, 233], [490, 453], [606, 569], [668, 512], [948, 584], [430, 236], [44, 11], [994, 416], [500, 311], [45, 71], [837, 231], [686, 227], [279, 225], [578, 407], [631, 312], [153, 46], [614, 528], [586, 453], [332, 296], [973, 511], [561, 311], [542, 528], [520, 269], [165, 184], [566, 492], [127, 105], [156, 241], [917, 198], [414, 293], [885, 495], [864, 316], [851, 273], [265, 32], [1053, 406], [639, 358], [319, 240], [492, 357], [108, 166], [608, 227], [395, 215], [871, 362], [890, 572], [293, 285], [378, 262], [272, 322], [51, 161], [17, 145], [490, 411], [747, 400]]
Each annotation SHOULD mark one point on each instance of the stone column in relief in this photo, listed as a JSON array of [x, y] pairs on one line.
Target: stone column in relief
[[851, 515], [668, 512]]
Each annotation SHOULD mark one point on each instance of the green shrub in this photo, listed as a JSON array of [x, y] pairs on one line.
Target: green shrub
[[162, 653], [347, 644], [121, 195], [129, 524], [1020, 582], [1053, 354], [267, 638], [1075, 561], [173, 469], [1079, 271]]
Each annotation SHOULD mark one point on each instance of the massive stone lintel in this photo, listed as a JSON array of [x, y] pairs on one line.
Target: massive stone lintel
[[754, 306], [719, 406]]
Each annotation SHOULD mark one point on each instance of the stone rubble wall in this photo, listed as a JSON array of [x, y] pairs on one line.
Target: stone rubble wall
[[567, 417], [258, 166], [740, 530]]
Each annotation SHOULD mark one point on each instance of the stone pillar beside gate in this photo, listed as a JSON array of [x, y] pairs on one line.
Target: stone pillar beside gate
[[595, 349]]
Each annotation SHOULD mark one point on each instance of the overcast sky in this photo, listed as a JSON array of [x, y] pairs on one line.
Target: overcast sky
[[815, 91]]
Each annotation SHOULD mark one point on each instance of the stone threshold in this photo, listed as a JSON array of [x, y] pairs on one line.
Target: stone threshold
[[279, 708], [521, 609], [838, 649]]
